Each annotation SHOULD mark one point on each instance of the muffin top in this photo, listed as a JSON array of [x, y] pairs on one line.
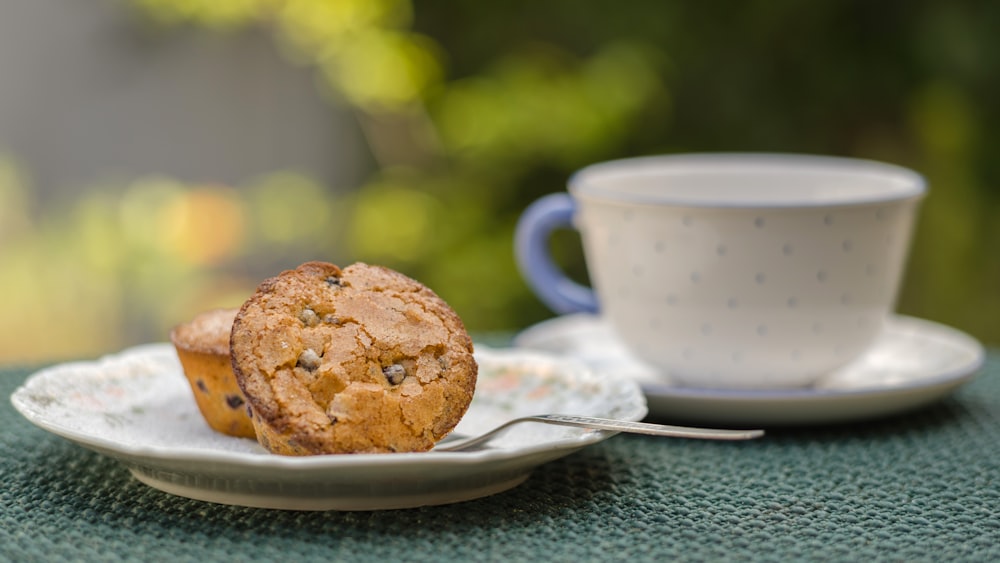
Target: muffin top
[[207, 333]]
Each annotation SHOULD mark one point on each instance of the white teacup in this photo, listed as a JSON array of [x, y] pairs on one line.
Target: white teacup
[[735, 271]]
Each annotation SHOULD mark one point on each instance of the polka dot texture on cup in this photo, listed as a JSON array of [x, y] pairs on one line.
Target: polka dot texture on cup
[[751, 298]]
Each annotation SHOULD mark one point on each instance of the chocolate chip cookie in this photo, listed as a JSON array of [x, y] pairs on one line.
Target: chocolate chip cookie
[[362, 359]]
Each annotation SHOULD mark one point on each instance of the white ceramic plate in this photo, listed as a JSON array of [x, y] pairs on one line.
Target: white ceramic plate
[[137, 407], [913, 363]]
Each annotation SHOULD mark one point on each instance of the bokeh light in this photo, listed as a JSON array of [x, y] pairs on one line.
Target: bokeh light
[[204, 226], [471, 111], [395, 224]]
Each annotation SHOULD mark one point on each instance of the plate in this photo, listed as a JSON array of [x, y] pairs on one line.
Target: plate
[[913, 363], [136, 406]]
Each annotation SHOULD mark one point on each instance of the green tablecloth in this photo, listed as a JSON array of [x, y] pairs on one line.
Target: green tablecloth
[[923, 486]]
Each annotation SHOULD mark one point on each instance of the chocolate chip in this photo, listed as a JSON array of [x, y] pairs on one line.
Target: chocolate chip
[[201, 386], [394, 374], [308, 359], [234, 401], [333, 281], [309, 317]]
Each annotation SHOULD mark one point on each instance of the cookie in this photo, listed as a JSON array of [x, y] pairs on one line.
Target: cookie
[[362, 359], [203, 348]]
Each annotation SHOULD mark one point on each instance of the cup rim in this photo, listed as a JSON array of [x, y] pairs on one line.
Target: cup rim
[[908, 184]]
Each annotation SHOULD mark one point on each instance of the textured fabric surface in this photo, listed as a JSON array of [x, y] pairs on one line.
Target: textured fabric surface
[[922, 486]]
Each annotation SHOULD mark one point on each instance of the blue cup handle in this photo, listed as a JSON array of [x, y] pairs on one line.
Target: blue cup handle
[[545, 278]]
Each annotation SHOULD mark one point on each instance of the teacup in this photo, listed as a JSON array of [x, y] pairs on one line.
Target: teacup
[[732, 271]]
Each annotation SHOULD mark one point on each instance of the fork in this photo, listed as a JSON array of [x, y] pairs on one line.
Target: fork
[[461, 443]]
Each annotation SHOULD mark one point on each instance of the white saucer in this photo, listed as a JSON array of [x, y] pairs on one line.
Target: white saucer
[[137, 407], [913, 363]]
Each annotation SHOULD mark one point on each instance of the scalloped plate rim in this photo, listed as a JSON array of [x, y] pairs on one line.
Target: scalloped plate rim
[[520, 459]]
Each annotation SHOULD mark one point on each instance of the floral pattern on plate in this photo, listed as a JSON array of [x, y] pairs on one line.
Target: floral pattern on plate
[[136, 406]]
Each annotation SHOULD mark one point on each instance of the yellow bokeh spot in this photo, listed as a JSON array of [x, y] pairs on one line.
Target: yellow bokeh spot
[[287, 207], [13, 199], [394, 223], [385, 69], [320, 25], [141, 208], [219, 14], [205, 225]]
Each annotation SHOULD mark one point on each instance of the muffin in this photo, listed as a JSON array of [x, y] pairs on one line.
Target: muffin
[[359, 360], [203, 348]]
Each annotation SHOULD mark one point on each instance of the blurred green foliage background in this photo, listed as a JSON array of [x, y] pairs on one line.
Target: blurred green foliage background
[[474, 109]]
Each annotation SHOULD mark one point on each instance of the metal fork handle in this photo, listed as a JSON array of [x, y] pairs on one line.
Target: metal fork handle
[[607, 424]]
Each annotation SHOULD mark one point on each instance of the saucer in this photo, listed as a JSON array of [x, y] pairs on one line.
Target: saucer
[[913, 363], [136, 406]]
